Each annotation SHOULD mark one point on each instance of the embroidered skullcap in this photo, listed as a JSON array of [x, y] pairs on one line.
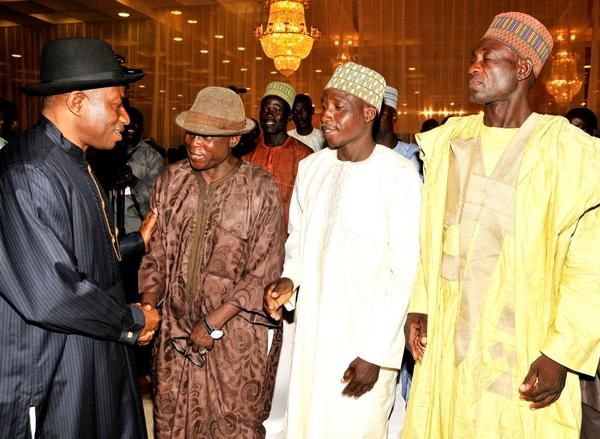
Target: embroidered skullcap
[[360, 81], [524, 34], [390, 96], [282, 90]]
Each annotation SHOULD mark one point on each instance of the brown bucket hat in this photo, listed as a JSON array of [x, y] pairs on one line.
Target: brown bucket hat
[[217, 111]]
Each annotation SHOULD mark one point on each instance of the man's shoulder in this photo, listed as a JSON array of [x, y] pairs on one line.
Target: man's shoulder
[[32, 149], [255, 173], [300, 146], [389, 160]]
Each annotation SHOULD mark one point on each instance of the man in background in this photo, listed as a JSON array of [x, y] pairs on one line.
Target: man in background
[[586, 120], [146, 164], [302, 114], [384, 129], [8, 121], [583, 118], [277, 152]]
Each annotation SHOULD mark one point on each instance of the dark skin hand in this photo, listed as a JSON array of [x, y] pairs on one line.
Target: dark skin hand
[[151, 321], [415, 333], [360, 377], [276, 295], [200, 339], [147, 227], [544, 382]]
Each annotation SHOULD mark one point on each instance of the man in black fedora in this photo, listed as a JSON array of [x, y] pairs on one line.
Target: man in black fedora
[[65, 361]]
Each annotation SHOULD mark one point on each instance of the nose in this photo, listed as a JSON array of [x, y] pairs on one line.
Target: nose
[[325, 115], [123, 116], [473, 68]]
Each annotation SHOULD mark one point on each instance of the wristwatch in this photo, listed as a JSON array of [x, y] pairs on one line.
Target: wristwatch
[[214, 333]]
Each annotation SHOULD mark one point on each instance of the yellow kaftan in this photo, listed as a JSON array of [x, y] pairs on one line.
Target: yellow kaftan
[[490, 315]]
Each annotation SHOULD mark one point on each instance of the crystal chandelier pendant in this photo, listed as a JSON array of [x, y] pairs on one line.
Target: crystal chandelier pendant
[[563, 81], [286, 39]]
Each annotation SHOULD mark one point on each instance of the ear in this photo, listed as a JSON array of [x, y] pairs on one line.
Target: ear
[[370, 113], [234, 140], [524, 68], [75, 102]]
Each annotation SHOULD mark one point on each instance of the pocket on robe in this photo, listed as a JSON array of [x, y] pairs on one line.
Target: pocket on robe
[[228, 254]]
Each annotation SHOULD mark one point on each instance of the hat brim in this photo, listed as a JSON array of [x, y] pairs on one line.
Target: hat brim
[[72, 84], [207, 130]]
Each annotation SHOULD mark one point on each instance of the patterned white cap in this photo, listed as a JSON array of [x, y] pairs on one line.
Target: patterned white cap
[[390, 97], [360, 81]]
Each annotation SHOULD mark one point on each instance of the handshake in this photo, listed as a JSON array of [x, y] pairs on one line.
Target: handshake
[[151, 321]]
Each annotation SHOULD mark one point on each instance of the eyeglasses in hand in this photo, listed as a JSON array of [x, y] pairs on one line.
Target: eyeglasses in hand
[[198, 359]]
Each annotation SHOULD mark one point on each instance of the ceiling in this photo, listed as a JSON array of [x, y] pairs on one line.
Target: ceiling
[[422, 47]]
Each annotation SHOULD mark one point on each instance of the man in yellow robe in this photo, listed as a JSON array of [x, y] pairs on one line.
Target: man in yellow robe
[[504, 313]]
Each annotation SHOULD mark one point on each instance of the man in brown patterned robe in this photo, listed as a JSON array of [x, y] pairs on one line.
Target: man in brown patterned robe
[[219, 240]]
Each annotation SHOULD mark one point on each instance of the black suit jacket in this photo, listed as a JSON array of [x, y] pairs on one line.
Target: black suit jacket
[[65, 328]]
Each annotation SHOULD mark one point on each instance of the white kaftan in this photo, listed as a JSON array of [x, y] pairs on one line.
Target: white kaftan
[[352, 250]]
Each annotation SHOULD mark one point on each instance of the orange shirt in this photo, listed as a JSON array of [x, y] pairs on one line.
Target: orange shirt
[[281, 162]]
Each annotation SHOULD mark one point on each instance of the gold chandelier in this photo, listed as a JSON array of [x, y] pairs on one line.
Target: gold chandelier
[[563, 82], [286, 39]]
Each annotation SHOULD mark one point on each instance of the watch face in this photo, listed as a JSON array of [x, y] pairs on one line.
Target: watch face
[[217, 334]]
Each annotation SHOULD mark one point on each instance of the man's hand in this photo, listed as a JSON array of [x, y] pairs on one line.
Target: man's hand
[[276, 294], [544, 382], [147, 227], [151, 321], [415, 333], [360, 377], [200, 339]]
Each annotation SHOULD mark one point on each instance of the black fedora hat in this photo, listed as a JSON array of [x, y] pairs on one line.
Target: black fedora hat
[[79, 64]]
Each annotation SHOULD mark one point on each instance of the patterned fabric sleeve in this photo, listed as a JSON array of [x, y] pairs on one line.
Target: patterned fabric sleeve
[[265, 254]]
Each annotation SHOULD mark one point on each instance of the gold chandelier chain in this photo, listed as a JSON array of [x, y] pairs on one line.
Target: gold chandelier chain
[[113, 237]]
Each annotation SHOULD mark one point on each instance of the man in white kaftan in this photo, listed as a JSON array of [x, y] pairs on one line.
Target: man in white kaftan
[[352, 250]]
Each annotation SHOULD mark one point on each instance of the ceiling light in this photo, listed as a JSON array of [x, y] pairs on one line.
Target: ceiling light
[[273, 72], [178, 39], [226, 61], [162, 91], [417, 92], [173, 108], [141, 86], [563, 80], [248, 89], [123, 14], [244, 69], [179, 95], [16, 55], [241, 49], [452, 104], [412, 69], [286, 37], [176, 12], [318, 71], [258, 58], [404, 104], [203, 51], [219, 36], [192, 21]]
